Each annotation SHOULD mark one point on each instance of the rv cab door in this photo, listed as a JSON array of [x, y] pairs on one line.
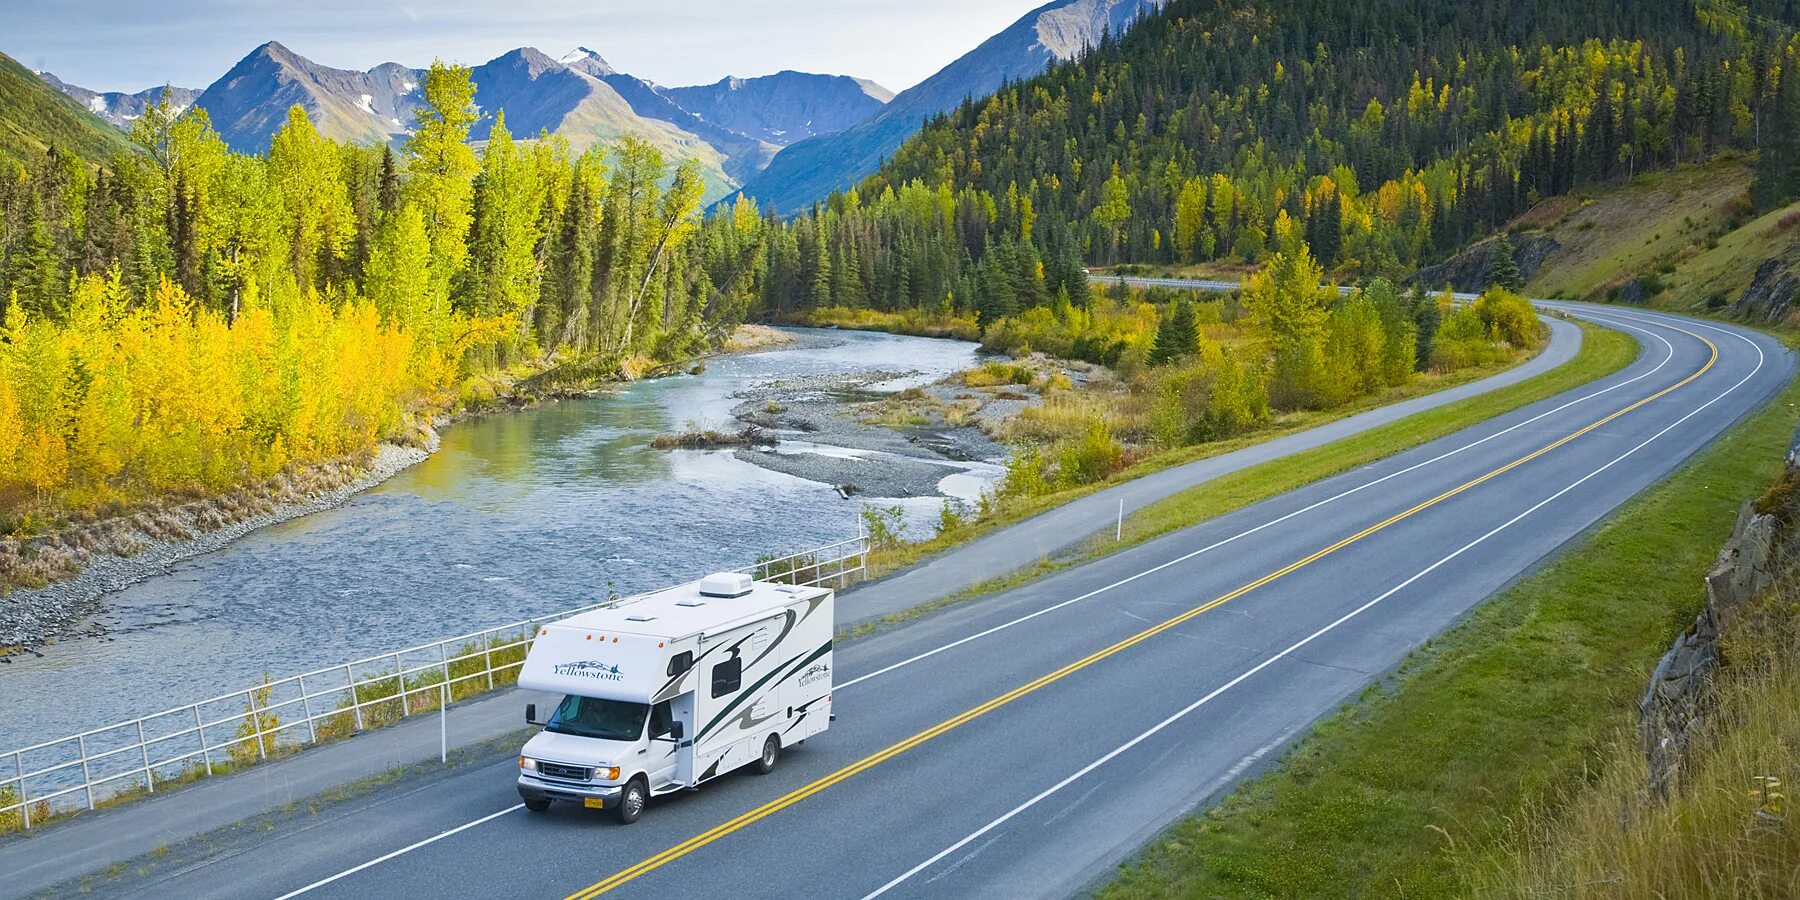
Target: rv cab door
[[681, 709]]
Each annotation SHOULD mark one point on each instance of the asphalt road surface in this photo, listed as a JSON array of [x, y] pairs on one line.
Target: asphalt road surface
[[1024, 745]]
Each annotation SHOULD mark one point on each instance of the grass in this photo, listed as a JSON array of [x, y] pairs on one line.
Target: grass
[[1717, 274], [1624, 231], [917, 322], [1407, 792], [1603, 352], [1725, 832]]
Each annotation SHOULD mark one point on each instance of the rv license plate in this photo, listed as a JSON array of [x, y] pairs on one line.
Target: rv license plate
[[593, 802]]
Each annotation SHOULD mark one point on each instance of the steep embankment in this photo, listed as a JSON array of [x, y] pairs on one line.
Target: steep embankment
[[1685, 240]]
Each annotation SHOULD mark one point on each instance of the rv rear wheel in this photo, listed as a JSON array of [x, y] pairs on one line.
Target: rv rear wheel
[[771, 752], [537, 805], [631, 802]]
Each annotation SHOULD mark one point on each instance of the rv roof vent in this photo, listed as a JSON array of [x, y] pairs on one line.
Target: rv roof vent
[[726, 584], [690, 603], [640, 617]]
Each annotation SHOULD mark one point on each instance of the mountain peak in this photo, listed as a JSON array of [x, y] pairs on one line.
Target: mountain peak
[[582, 59], [277, 51]]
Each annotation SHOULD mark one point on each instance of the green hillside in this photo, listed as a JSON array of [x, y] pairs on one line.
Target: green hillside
[[1688, 239], [1388, 133], [34, 116]]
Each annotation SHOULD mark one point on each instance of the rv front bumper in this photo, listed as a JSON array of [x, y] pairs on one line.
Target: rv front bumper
[[533, 788]]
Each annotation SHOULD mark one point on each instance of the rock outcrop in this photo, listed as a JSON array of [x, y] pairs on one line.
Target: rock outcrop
[[1467, 271], [1772, 291], [1680, 699]]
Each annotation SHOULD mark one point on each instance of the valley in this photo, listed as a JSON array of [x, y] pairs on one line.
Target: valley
[[1370, 419]]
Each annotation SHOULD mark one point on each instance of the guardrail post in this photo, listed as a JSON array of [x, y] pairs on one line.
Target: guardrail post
[[443, 722], [487, 658], [144, 749], [200, 729], [355, 701], [87, 778], [24, 796], [312, 730]]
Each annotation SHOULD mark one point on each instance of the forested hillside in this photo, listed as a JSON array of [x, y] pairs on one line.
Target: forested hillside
[[187, 318], [1392, 130], [35, 117]]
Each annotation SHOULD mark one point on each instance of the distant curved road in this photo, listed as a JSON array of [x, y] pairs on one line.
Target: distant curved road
[[1027, 744]]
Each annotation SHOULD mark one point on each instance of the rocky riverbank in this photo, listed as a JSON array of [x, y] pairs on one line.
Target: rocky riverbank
[[85, 562], [58, 580], [892, 434]]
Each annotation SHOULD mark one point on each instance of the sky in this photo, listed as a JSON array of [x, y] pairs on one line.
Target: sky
[[129, 45]]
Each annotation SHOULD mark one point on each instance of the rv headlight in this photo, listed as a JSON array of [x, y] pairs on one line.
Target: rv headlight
[[528, 764], [607, 773]]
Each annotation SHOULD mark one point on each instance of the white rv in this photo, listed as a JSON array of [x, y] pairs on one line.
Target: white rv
[[667, 690]]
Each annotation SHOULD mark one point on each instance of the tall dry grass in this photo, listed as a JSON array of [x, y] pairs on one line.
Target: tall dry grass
[[1731, 826]]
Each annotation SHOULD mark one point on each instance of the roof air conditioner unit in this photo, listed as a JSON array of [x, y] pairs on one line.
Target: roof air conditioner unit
[[726, 584]]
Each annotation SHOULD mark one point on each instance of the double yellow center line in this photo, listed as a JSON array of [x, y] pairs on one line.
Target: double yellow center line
[[877, 758]]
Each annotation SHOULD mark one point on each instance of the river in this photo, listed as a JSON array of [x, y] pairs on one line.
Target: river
[[517, 515]]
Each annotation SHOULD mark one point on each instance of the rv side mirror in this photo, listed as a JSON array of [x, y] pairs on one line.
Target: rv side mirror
[[531, 714], [675, 730]]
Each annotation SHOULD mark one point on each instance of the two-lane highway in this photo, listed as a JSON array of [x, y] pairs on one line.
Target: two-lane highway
[[1022, 746]]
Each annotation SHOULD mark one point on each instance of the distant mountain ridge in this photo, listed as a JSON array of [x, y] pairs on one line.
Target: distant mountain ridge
[[733, 128], [118, 108], [785, 107], [810, 170]]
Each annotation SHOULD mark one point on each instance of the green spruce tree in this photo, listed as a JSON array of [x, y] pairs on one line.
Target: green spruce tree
[[1177, 335], [1503, 265]]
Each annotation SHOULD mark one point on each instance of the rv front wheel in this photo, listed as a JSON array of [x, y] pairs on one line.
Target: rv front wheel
[[771, 752], [631, 802], [537, 805]]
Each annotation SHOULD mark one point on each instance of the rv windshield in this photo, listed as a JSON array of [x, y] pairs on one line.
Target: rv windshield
[[592, 717]]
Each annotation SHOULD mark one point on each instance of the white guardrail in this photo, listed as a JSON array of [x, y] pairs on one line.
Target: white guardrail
[[277, 717]]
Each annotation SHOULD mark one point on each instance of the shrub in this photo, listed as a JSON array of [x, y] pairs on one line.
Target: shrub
[[257, 735], [1025, 476], [1091, 458], [996, 373], [886, 526]]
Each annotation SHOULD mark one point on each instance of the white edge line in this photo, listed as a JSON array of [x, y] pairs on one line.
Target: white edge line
[[1122, 748], [407, 849]]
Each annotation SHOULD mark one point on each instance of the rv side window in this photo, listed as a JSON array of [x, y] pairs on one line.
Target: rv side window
[[727, 677], [681, 662]]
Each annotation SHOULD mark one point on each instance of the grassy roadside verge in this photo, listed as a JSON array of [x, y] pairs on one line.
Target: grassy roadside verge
[[1406, 792], [1602, 353]]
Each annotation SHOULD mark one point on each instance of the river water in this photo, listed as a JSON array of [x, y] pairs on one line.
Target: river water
[[516, 515]]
